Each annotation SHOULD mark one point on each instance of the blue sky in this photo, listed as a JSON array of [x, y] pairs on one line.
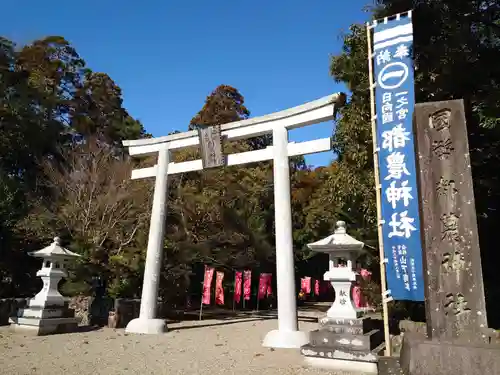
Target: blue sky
[[167, 56]]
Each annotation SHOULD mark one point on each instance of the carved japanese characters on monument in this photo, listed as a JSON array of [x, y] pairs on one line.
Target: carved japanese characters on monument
[[455, 304], [440, 120], [442, 148], [449, 223], [446, 187], [453, 261]]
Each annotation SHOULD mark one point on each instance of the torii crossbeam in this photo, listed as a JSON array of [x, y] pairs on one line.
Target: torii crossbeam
[[287, 335]]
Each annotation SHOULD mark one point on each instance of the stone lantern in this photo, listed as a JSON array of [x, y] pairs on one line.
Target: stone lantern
[[343, 250], [345, 341], [47, 312]]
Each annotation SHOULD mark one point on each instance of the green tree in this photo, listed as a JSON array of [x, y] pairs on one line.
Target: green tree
[[47, 96], [352, 184], [97, 111], [99, 210], [30, 133], [224, 105]]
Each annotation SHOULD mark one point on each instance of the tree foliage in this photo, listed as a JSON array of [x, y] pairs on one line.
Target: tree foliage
[[52, 109], [225, 104]]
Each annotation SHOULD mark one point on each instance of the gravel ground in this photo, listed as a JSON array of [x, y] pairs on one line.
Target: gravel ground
[[230, 346]]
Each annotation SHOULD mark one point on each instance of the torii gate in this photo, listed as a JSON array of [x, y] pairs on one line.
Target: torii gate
[[287, 335]]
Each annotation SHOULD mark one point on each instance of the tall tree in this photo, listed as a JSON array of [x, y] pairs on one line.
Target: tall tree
[[97, 111], [30, 130], [223, 214], [100, 212], [225, 104], [47, 95], [352, 184], [56, 71]]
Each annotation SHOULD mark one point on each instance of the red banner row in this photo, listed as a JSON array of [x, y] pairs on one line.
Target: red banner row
[[265, 286], [241, 279]]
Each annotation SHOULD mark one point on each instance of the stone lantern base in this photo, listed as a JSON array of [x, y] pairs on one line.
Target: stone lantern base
[[41, 321], [345, 345]]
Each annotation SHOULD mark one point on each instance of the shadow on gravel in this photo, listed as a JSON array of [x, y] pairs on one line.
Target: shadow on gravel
[[83, 329], [235, 321], [232, 318], [221, 314]]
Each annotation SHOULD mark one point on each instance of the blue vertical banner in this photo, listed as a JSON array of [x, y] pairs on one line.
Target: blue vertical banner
[[395, 102]]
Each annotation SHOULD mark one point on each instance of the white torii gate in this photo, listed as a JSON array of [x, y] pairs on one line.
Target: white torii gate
[[287, 335]]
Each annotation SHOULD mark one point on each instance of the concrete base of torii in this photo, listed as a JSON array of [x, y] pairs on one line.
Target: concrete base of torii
[[285, 339], [147, 326]]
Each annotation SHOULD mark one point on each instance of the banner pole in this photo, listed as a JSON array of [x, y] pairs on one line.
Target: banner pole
[[202, 286], [201, 306], [234, 291], [383, 283], [243, 288]]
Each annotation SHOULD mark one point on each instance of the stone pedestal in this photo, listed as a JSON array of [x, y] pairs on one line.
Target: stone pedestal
[[345, 345], [420, 356], [44, 320]]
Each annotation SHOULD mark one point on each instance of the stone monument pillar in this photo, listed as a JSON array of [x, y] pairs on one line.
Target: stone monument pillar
[[345, 340], [47, 312], [458, 339]]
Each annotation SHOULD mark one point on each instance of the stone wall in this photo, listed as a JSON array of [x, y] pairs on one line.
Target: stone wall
[[91, 311], [9, 307], [124, 311], [406, 326]]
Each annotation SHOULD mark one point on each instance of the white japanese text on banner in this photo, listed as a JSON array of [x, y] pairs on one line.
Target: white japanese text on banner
[[395, 101]]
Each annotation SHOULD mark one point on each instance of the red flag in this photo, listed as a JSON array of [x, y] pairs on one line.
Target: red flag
[[247, 283], [207, 282], [324, 286], [269, 284], [219, 290], [365, 274], [264, 281], [237, 286], [305, 285], [316, 287]]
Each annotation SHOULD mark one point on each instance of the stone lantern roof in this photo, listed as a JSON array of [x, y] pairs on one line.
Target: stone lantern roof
[[338, 241], [55, 250]]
